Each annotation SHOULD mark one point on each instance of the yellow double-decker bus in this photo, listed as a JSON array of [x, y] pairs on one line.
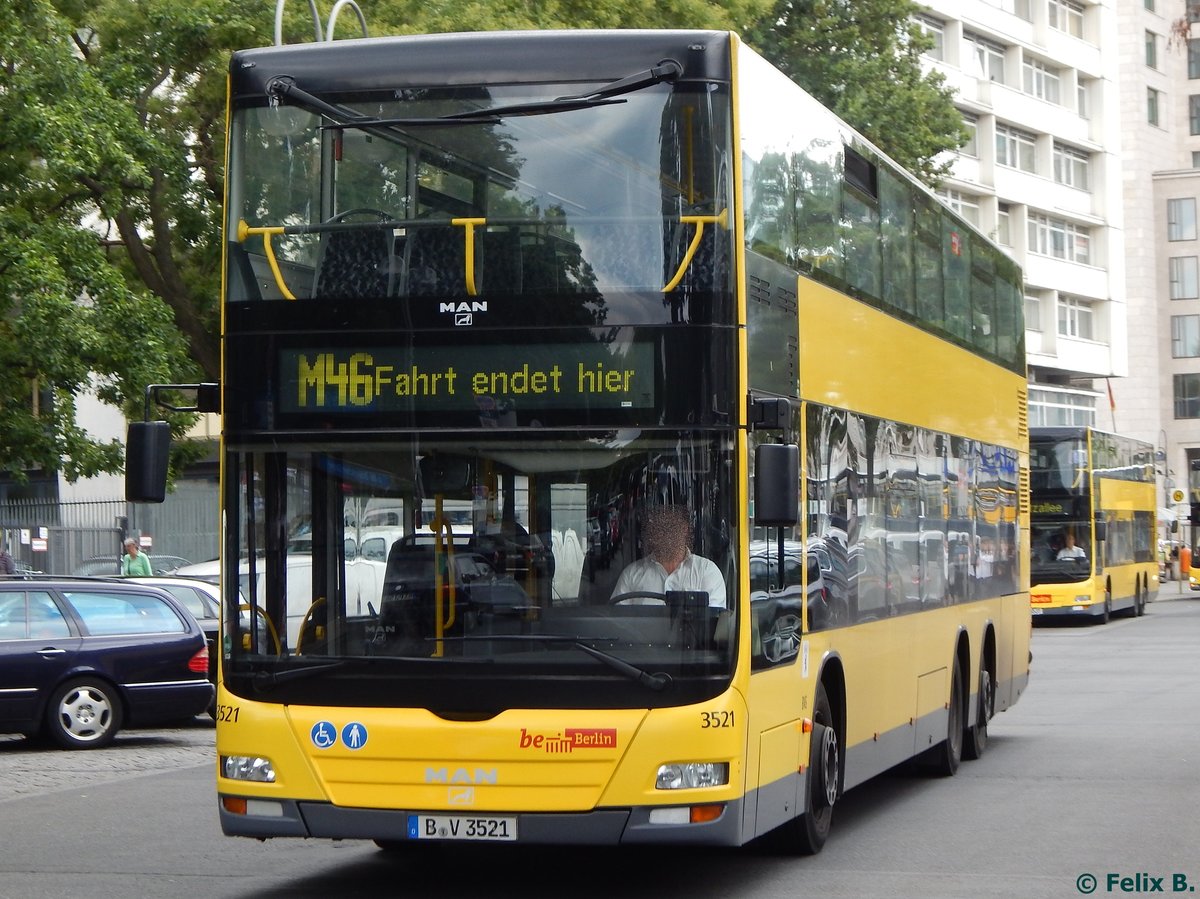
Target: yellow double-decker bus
[[1094, 523], [729, 409]]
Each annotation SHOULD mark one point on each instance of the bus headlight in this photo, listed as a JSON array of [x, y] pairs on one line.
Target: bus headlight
[[1083, 599], [248, 767], [690, 775]]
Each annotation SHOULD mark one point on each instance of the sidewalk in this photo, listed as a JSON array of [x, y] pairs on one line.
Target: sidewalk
[[1177, 589]]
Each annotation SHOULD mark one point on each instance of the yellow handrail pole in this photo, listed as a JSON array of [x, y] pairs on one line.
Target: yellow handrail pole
[[468, 226], [443, 587], [721, 218], [244, 231]]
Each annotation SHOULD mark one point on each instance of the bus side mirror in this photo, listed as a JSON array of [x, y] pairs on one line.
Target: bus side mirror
[[1101, 530], [776, 484], [147, 448]]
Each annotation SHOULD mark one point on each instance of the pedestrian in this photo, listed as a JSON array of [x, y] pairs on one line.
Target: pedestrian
[[135, 562], [7, 565]]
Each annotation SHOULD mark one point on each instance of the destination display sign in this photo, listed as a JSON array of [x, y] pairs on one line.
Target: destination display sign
[[523, 376]]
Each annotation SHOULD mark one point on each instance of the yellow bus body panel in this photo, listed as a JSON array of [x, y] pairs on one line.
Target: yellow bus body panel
[[526, 759]]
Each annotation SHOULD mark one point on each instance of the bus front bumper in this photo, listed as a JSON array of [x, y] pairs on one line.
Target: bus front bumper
[[602, 827]]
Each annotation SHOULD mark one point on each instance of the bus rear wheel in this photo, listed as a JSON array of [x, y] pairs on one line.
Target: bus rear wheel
[[977, 734], [944, 758]]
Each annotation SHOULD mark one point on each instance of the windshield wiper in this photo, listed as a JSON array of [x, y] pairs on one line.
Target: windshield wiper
[[666, 71], [264, 680], [658, 681]]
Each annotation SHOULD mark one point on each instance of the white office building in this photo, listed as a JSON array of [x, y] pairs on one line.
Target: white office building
[[1036, 83]]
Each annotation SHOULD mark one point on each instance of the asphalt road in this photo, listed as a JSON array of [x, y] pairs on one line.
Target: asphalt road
[[1094, 773]]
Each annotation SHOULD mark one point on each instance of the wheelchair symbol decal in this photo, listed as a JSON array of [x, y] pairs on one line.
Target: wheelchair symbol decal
[[323, 734]]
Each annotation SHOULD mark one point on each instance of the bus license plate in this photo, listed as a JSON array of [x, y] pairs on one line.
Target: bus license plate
[[461, 827]]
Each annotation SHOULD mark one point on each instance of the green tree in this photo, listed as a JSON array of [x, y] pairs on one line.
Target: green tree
[[862, 59], [82, 165], [111, 183]]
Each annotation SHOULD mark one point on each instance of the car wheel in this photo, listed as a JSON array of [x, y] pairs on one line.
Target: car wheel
[[83, 714]]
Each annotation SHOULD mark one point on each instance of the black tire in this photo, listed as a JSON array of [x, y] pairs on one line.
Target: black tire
[[1139, 608], [84, 713], [807, 833], [976, 737], [1107, 613], [946, 756]]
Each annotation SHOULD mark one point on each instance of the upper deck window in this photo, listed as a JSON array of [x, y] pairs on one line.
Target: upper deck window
[[602, 202]]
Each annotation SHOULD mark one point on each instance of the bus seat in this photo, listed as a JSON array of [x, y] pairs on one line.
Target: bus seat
[[502, 260], [540, 265], [436, 264], [355, 264]]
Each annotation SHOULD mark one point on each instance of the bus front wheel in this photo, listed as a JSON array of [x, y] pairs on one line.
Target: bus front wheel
[[808, 833]]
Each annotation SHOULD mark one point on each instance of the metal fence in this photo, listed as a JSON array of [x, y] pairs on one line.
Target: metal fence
[[66, 538]]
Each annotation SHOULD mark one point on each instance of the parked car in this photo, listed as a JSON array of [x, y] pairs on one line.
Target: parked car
[[203, 599], [80, 659], [108, 566]]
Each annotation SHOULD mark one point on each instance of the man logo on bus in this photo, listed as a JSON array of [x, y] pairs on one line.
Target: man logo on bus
[[464, 312]]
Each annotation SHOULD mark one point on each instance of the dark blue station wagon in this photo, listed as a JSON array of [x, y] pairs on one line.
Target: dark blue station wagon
[[79, 659]]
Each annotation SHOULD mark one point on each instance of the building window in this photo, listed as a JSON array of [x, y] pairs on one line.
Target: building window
[[1187, 396], [1015, 148], [971, 147], [1081, 98], [1070, 166], [966, 205], [1181, 218], [1185, 336], [1185, 277], [1004, 225], [1040, 80], [1152, 49], [1193, 11], [937, 33], [1020, 8], [1195, 159], [1075, 318], [1194, 113], [1149, 4], [1193, 57], [1066, 15], [1152, 105], [1059, 239], [1033, 312], [1059, 408], [989, 57]]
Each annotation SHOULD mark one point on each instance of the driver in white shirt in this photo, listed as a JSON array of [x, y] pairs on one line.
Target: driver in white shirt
[[669, 563]]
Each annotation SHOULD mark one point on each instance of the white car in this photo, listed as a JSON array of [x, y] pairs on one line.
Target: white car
[[364, 586]]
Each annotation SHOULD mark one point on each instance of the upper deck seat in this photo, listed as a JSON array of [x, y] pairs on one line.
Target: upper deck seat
[[356, 263]]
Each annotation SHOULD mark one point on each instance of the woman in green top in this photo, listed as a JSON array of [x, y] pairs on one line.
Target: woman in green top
[[134, 562]]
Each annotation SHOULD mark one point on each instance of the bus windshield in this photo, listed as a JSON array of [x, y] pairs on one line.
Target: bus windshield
[[501, 563], [610, 202]]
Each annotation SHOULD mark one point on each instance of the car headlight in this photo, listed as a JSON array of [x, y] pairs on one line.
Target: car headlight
[[690, 775], [248, 767]]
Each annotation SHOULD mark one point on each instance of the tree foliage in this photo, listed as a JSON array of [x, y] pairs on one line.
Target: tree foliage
[[112, 169], [862, 59]]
